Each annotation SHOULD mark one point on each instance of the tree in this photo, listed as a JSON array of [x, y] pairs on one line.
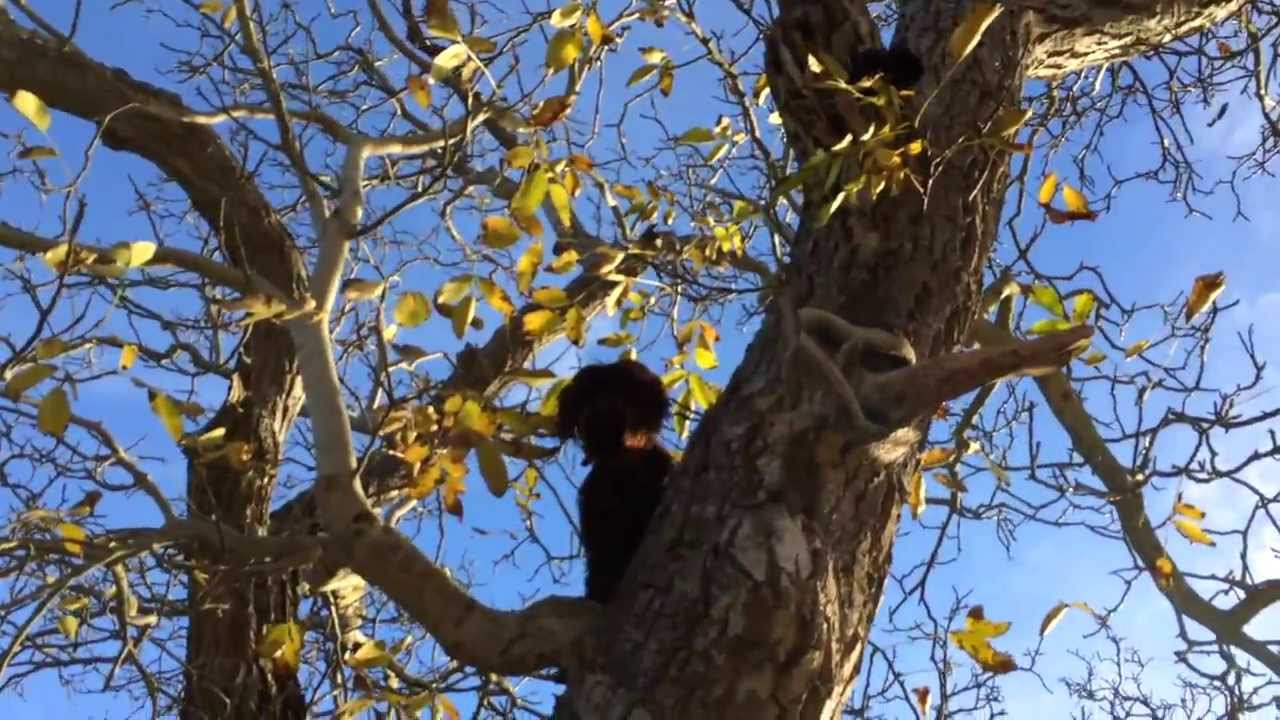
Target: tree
[[318, 182]]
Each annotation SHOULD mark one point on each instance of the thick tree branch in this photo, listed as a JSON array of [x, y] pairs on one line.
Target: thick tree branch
[[1070, 35], [141, 119], [548, 633], [1126, 497]]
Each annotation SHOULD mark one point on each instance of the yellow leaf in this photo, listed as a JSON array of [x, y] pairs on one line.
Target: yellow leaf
[[527, 267], [462, 314], [532, 190], [451, 495], [916, 495], [454, 289], [31, 107], [54, 414], [1192, 531], [229, 17], [480, 45], [412, 309], [448, 60], [1136, 349], [1008, 120], [139, 253], [653, 55], [37, 152], [561, 202], [975, 639], [73, 537], [26, 378], [1094, 359], [493, 468], [697, 135], [967, 34], [705, 358], [575, 326], [520, 157], [360, 289], [128, 356], [51, 348], [168, 411], [667, 80], [496, 297], [540, 322], [703, 393], [1048, 325], [564, 48], [69, 626], [760, 90], [564, 262], [581, 163], [211, 7], [551, 297], [73, 603], [419, 90], [596, 30], [933, 457], [1075, 201], [1204, 291], [529, 223], [1163, 571], [641, 73], [1188, 510], [441, 21], [281, 644], [566, 15], [977, 623], [499, 232], [1048, 188], [1082, 307], [1047, 298], [616, 340]]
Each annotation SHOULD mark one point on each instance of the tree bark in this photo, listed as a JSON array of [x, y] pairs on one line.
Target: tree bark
[[754, 591], [223, 676]]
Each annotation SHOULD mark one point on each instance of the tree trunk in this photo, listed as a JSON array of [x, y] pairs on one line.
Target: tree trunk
[[229, 609], [754, 591]]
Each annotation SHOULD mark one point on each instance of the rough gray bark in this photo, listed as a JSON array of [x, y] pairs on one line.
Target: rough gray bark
[[227, 613]]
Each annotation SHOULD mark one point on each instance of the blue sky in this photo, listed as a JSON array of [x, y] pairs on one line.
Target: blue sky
[[1148, 249]]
